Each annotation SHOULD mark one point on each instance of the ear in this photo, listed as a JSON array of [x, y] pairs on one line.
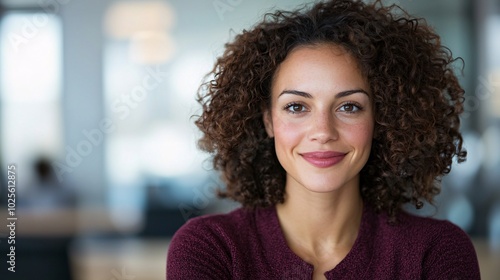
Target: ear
[[268, 123]]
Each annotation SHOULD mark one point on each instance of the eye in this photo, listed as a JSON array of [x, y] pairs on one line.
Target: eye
[[295, 108], [350, 108]]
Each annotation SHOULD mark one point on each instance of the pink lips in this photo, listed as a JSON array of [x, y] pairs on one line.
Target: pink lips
[[323, 159]]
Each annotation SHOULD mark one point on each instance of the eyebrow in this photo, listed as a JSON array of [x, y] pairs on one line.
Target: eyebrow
[[338, 95]]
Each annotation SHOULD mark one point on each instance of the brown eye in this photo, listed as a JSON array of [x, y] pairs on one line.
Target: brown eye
[[350, 108], [295, 108]]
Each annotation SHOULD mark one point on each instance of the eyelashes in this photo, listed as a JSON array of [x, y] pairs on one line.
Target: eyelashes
[[295, 107], [348, 107], [351, 107]]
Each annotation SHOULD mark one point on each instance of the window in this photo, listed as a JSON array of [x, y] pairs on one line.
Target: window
[[30, 89]]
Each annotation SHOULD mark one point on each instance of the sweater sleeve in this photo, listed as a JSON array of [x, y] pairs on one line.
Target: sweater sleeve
[[198, 251], [452, 256]]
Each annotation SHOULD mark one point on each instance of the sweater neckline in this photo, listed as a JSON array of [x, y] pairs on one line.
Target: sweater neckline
[[288, 264]]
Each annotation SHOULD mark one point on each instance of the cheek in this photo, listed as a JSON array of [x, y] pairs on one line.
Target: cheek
[[359, 135], [287, 134]]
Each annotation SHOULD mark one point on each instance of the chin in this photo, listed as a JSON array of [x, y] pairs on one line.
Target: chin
[[322, 188], [328, 184], [322, 185]]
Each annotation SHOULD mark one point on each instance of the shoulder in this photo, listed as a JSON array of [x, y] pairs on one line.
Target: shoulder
[[222, 226], [214, 229], [413, 229], [444, 249], [428, 228], [203, 247], [433, 232]]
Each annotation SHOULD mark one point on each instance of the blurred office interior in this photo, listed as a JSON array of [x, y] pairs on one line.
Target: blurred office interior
[[96, 106]]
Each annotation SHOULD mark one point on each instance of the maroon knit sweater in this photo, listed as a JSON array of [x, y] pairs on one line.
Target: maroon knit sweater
[[246, 244]]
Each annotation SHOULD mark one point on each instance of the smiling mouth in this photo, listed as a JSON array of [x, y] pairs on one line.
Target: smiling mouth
[[323, 159]]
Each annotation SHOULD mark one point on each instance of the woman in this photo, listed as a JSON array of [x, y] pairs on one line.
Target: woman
[[324, 123]]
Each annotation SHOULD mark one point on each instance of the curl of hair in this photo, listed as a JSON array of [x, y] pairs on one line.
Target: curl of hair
[[416, 95]]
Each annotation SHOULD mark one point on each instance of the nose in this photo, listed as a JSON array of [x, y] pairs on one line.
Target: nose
[[323, 127]]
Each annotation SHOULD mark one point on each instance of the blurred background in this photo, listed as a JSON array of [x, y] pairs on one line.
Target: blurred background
[[96, 106]]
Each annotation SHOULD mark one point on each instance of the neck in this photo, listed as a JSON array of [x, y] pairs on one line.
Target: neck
[[318, 223]]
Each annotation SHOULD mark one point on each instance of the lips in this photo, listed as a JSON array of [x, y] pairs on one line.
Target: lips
[[323, 159]]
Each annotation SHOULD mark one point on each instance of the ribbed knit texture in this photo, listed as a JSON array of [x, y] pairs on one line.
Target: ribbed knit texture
[[249, 244]]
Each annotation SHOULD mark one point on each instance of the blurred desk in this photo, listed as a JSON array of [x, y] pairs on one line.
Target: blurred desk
[[40, 241], [45, 223], [43, 237], [489, 261], [119, 258], [59, 222]]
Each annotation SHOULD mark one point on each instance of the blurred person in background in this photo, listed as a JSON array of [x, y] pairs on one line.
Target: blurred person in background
[[46, 192]]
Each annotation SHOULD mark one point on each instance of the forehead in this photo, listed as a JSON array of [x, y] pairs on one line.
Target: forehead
[[319, 67]]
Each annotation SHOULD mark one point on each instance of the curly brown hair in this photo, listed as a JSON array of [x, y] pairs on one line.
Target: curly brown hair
[[416, 95]]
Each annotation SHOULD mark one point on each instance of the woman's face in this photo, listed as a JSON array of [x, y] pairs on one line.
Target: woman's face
[[321, 118]]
